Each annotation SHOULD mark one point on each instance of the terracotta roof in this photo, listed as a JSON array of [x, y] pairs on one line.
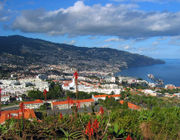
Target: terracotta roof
[[74, 101], [60, 102], [5, 96], [34, 102], [130, 105], [16, 114], [98, 96], [66, 84]]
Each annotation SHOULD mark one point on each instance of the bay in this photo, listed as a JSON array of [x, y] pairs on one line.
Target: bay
[[168, 72]]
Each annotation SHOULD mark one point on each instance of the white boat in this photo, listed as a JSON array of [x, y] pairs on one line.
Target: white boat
[[151, 76]]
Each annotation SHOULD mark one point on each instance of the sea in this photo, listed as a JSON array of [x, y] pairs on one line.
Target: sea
[[168, 72]]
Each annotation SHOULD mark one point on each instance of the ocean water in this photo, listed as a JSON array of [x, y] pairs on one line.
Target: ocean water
[[168, 72]]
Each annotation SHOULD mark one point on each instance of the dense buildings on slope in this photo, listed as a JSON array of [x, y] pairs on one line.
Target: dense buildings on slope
[[19, 53]]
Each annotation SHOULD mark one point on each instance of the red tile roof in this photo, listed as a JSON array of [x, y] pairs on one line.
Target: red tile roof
[[34, 102], [74, 101], [130, 105], [98, 96], [16, 114]]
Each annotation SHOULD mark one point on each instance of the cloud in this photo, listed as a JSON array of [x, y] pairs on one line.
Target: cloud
[[155, 43], [126, 47], [113, 40], [124, 21], [4, 13], [105, 46], [1, 6], [175, 41], [72, 42], [153, 1], [92, 37]]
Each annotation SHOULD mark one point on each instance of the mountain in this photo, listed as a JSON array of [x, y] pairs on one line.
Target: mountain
[[21, 50]]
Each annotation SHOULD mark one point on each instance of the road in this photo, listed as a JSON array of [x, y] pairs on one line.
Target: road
[[13, 107]]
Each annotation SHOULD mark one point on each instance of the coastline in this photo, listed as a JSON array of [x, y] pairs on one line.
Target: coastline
[[168, 71]]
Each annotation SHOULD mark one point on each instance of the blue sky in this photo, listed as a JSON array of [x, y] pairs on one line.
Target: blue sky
[[148, 27]]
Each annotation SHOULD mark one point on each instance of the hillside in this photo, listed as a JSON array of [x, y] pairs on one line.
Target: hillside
[[21, 50]]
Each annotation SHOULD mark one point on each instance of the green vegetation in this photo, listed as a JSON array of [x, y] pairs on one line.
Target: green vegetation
[[10, 104], [82, 58], [170, 91], [55, 92], [159, 120]]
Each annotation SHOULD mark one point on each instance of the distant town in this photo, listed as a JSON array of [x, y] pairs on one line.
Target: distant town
[[54, 90], [20, 83]]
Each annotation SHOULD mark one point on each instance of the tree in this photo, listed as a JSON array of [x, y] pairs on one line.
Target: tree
[[35, 94]]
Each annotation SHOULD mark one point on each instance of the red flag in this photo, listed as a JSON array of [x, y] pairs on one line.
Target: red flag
[[76, 75]]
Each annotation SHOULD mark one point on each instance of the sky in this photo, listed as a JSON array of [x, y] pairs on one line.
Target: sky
[[147, 27]]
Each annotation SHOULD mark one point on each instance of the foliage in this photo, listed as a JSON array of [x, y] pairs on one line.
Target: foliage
[[45, 106], [170, 91], [35, 94], [55, 92], [158, 120]]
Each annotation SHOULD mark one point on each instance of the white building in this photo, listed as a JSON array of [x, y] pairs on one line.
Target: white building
[[110, 79], [5, 98], [68, 104], [170, 86], [33, 104], [88, 87], [14, 87], [177, 94], [150, 92], [103, 97]]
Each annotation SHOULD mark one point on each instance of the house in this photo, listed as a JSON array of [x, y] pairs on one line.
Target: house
[[5, 98], [170, 86], [103, 97], [33, 104], [131, 106], [68, 104], [177, 94], [110, 79], [150, 92], [16, 114]]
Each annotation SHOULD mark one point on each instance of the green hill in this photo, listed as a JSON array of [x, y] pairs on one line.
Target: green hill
[[24, 51]]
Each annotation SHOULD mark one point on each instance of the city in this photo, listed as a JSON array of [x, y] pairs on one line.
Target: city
[[89, 70]]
